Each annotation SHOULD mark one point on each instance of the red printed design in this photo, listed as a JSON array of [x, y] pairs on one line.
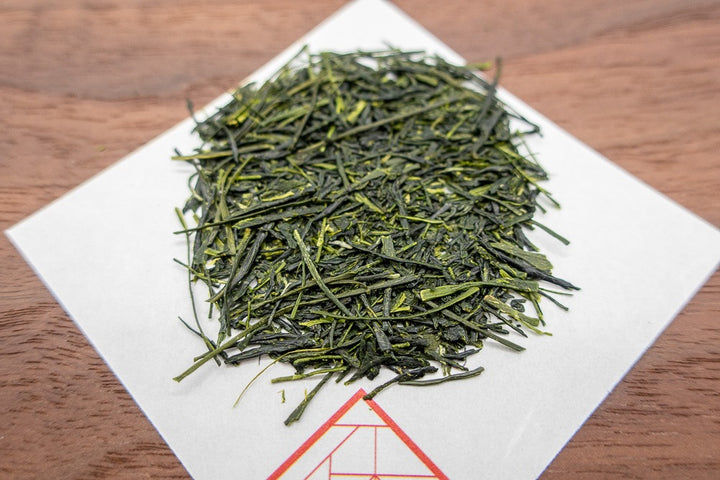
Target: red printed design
[[359, 442]]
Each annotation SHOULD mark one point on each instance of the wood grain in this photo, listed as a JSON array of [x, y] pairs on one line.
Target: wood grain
[[84, 83]]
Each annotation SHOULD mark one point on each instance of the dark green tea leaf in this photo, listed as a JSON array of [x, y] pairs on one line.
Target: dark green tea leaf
[[366, 211]]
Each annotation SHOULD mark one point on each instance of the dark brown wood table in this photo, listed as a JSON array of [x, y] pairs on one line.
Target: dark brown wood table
[[82, 83]]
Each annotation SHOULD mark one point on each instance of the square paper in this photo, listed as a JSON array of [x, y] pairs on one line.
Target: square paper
[[119, 284]]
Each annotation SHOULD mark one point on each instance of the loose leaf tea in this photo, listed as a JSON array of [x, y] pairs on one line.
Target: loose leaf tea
[[366, 211]]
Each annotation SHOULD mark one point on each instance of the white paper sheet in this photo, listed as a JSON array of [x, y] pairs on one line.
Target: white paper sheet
[[105, 250]]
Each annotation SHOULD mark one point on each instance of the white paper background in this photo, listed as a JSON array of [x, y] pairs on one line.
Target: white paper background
[[105, 250]]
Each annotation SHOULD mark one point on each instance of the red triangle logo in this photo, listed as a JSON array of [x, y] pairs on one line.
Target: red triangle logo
[[359, 442]]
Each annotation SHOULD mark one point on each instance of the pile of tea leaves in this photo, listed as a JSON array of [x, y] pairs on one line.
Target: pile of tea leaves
[[366, 211]]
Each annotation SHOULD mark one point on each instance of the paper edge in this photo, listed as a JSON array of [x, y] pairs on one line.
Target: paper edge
[[669, 321]]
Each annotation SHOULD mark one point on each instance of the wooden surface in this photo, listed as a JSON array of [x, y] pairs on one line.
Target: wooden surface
[[83, 83]]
